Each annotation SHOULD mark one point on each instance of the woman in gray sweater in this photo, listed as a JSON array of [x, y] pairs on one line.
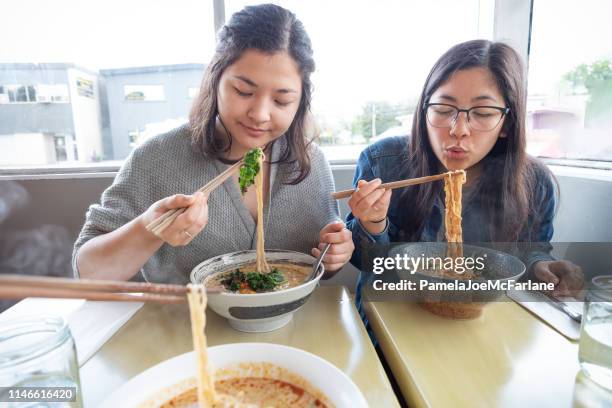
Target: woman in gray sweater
[[256, 92]]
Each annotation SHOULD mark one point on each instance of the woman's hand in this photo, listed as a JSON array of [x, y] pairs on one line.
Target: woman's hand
[[187, 225], [567, 277], [370, 205], [341, 250]]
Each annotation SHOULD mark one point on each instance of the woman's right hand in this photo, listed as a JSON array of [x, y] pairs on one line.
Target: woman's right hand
[[370, 205], [187, 225]]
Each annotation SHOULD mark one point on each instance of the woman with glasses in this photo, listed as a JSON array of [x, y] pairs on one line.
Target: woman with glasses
[[470, 116]]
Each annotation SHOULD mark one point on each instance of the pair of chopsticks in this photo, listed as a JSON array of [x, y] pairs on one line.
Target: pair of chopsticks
[[397, 184], [158, 225], [20, 286]]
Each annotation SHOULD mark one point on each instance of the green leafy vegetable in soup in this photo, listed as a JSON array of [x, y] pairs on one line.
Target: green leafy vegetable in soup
[[265, 281], [252, 281], [249, 169]]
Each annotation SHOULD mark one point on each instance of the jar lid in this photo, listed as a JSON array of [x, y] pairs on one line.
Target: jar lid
[[601, 288], [28, 337]]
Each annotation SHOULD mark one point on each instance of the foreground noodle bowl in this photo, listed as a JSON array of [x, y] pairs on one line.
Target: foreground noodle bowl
[[247, 385]]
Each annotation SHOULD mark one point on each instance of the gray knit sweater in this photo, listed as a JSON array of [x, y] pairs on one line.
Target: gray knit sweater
[[167, 165]]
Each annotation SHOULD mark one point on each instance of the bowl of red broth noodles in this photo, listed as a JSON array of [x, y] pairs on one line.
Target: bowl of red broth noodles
[[255, 301], [245, 375]]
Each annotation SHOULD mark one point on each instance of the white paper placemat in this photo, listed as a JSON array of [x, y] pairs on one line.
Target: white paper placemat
[[91, 323], [538, 304]]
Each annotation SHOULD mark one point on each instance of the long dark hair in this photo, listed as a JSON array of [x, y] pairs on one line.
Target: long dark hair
[[270, 29], [507, 182]]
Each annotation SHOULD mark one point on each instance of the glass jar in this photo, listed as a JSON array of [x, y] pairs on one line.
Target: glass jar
[[595, 348], [38, 351]]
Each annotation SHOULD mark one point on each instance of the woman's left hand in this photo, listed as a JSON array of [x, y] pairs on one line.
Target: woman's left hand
[[567, 276], [341, 250]]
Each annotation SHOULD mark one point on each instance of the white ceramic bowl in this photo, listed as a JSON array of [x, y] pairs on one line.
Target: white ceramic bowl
[[163, 381], [260, 312]]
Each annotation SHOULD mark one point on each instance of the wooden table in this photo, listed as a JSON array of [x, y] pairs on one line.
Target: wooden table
[[328, 325], [505, 358]]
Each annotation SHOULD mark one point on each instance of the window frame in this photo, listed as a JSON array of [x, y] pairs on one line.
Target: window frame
[[8, 88], [144, 94]]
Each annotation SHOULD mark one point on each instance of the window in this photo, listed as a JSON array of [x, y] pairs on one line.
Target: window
[[52, 93], [18, 94], [147, 93], [372, 60], [60, 148], [61, 77], [569, 104], [33, 93], [133, 136]]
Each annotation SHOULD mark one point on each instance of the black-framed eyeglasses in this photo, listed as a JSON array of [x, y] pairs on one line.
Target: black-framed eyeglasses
[[481, 118]]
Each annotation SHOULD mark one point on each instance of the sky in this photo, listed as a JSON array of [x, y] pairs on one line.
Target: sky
[[365, 50]]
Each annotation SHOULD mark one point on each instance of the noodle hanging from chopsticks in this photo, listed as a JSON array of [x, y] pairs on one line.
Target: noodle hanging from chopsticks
[[262, 264], [453, 183], [205, 380]]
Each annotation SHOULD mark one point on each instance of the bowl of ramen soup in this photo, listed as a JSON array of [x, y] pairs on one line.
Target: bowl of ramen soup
[[245, 375], [253, 301], [443, 265]]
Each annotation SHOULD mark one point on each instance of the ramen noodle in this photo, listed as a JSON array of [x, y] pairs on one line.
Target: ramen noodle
[[197, 309], [453, 183], [251, 385], [262, 264]]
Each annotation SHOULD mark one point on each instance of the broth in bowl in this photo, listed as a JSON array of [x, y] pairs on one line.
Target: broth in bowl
[[246, 279], [255, 385], [173, 381]]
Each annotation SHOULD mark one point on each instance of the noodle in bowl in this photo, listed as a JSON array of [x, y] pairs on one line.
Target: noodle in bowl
[[264, 311], [456, 304], [172, 382]]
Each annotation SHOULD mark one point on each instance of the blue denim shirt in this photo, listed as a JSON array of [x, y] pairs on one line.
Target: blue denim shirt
[[384, 160]]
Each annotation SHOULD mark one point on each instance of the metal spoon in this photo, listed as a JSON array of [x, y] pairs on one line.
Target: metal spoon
[[318, 262], [562, 306]]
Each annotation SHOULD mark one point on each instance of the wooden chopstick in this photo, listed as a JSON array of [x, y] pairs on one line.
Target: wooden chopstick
[[92, 284], [21, 292], [20, 286], [158, 225], [396, 184]]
